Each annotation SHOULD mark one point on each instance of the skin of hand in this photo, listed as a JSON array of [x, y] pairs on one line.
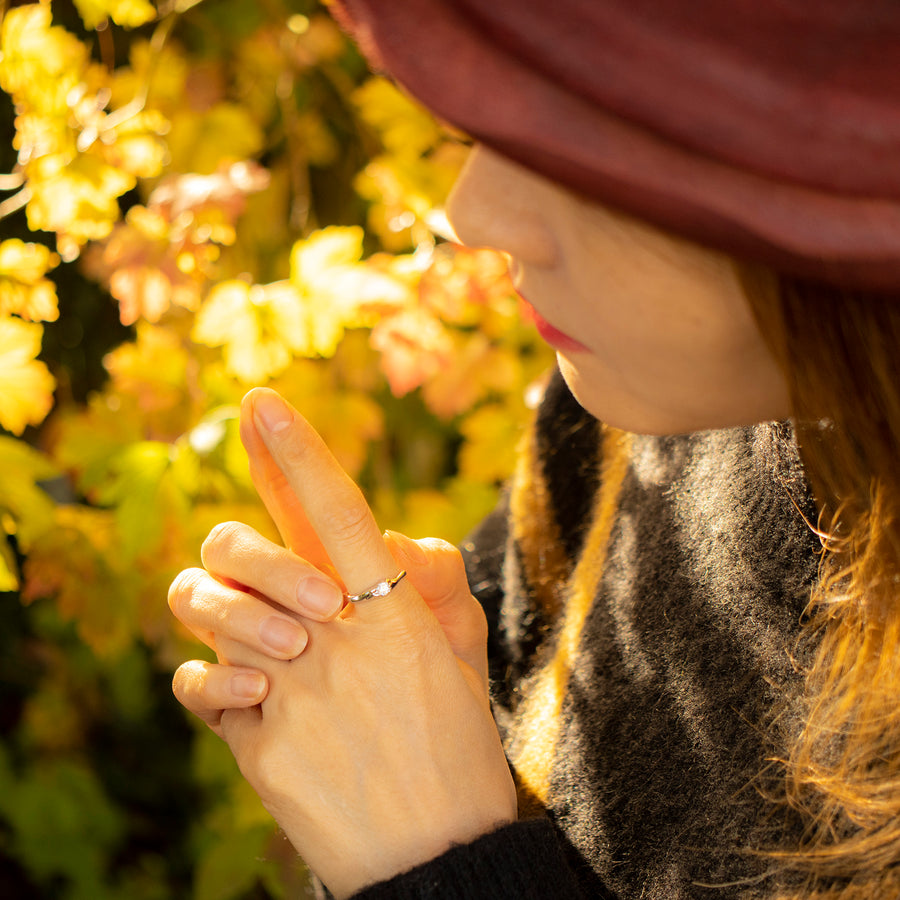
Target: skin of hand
[[375, 748]]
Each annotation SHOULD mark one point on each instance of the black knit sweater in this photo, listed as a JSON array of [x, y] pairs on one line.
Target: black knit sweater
[[645, 597]]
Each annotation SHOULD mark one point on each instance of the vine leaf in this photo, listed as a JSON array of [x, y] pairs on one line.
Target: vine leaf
[[26, 385]]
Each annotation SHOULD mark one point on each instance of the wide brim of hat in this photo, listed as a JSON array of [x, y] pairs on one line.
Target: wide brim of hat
[[776, 139]]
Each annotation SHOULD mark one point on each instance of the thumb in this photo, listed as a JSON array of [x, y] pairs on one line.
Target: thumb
[[436, 570]]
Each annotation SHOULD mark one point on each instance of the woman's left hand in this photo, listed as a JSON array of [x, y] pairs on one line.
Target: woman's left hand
[[375, 749]]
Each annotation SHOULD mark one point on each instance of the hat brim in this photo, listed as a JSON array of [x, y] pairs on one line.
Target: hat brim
[[828, 226]]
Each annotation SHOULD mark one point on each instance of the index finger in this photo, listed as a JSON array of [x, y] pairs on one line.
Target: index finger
[[332, 502], [278, 498]]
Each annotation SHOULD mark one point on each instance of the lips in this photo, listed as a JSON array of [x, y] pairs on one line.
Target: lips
[[552, 335]]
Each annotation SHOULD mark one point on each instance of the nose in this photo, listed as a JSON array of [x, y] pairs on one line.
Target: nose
[[498, 203]]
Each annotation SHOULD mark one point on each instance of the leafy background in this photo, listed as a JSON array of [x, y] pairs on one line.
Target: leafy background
[[199, 197]]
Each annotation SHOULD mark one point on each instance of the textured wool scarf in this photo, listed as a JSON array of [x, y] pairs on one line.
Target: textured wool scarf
[[766, 128]]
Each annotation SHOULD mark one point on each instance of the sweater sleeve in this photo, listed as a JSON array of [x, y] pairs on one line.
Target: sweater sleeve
[[522, 861]]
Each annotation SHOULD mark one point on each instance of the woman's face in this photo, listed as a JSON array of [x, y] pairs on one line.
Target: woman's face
[[653, 333]]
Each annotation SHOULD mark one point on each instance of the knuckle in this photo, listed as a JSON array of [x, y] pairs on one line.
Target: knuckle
[[444, 553], [220, 615], [352, 522], [185, 682], [222, 541], [182, 590], [275, 481], [264, 769]]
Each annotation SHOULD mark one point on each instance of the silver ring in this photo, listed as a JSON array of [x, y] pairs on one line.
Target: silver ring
[[382, 589]]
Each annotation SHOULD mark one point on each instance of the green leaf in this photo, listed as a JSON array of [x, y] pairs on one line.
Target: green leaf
[[62, 822], [137, 475], [31, 508], [233, 865]]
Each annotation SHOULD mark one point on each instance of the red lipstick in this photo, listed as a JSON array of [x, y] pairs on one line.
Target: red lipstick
[[552, 335]]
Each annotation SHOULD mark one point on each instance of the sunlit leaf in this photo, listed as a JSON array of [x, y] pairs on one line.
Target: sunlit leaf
[[474, 369], [41, 61], [404, 127], [491, 436], [137, 145], [139, 262], [333, 286], [77, 196], [160, 73], [128, 13], [233, 317], [136, 479], [202, 142], [26, 385], [310, 386], [23, 288], [414, 345], [152, 369]]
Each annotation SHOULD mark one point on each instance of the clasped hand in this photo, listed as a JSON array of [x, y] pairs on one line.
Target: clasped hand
[[365, 729]]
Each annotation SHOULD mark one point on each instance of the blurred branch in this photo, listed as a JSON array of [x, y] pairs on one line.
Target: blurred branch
[[14, 203], [12, 181]]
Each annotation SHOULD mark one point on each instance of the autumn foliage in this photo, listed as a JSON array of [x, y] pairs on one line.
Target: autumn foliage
[[199, 197]]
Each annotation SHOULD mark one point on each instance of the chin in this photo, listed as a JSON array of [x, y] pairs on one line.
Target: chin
[[630, 414]]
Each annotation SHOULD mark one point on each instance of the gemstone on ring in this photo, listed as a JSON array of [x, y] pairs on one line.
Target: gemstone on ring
[[382, 589]]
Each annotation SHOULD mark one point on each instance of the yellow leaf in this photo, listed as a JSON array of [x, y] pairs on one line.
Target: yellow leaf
[[127, 13], [348, 420], [161, 72], [23, 288], [40, 61], [491, 434], [152, 370], [334, 286], [323, 251], [202, 142], [77, 196], [261, 327], [26, 386], [227, 318], [138, 147], [405, 127]]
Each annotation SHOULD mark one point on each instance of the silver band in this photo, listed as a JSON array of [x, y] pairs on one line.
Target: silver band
[[382, 589]]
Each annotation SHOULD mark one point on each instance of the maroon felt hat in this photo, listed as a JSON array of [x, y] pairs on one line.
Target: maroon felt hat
[[766, 128]]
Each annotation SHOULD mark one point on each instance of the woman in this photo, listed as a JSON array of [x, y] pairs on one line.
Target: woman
[[693, 634]]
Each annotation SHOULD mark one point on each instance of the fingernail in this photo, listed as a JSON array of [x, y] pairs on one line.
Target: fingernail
[[247, 685], [270, 412], [408, 547], [320, 596], [282, 635]]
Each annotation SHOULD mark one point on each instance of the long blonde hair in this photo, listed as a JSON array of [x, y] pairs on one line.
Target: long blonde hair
[[841, 355]]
